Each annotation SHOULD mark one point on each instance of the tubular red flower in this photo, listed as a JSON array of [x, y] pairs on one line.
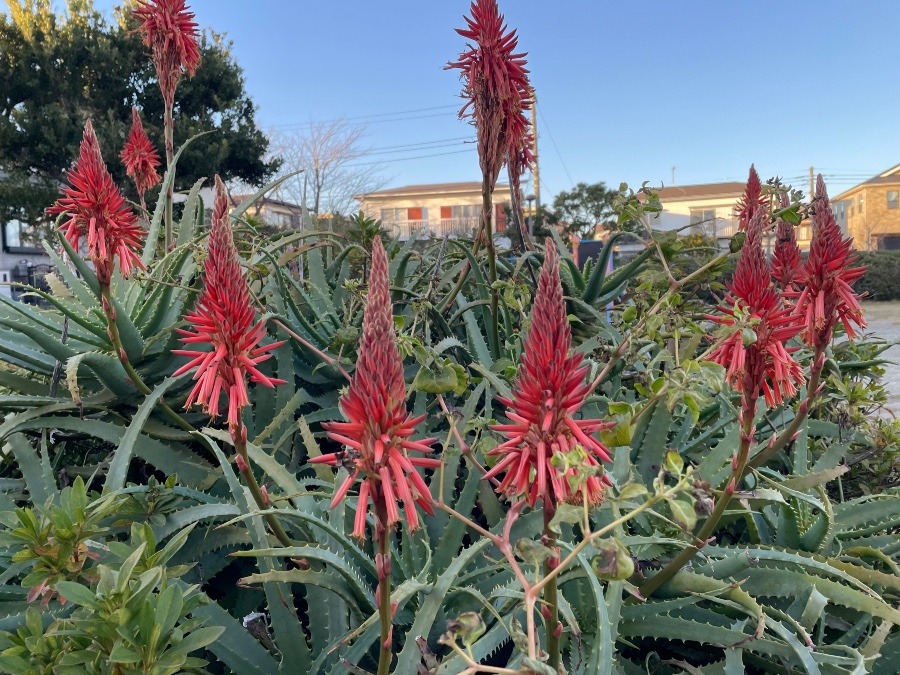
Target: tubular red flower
[[540, 456], [497, 90], [827, 278], [378, 431], [97, 210], [223, 319], [140, 157], [751, 201], [786, 261], [169, 29], [754, 353]]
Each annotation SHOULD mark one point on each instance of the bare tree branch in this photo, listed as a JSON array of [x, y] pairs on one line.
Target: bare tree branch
[[328, 155]]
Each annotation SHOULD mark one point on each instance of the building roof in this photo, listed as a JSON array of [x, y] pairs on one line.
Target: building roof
[[706, 190], [888, 177], [430, 188]]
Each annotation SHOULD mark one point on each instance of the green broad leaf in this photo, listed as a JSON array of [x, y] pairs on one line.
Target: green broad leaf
[[152, 240], [333, 561], [76, 593], [652, 445], [192, 217], [34, 467], [236, 647], [566, 513], [197, 639], [122, 654], [431, 604], [326, 580], [289, 634], [812, 480], [118, 466], [683, 513], [168, 609], [194, 514], [127, 568]]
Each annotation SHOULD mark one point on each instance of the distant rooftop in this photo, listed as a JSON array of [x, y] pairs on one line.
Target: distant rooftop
[[676, 192], [431, 188], [888, 177]]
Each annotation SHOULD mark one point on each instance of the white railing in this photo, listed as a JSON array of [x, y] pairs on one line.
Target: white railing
[[437, 227]]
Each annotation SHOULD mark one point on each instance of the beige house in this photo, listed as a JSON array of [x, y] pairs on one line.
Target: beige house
[[870, 211], [274, 212], [435, 209], [709, 209]]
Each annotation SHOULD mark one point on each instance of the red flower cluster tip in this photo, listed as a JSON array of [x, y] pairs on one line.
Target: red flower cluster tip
[[378, 431], [497, 90], [97, 210], [140, 157], [751, 201], [169, 29], [827, 278], [223, 318], [786, 261], [754, 353], [540, 456]]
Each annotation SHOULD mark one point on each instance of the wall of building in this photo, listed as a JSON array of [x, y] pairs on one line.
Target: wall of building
[[869, 218]]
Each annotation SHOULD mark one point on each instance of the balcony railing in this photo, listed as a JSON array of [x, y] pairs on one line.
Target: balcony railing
[[438, 227]]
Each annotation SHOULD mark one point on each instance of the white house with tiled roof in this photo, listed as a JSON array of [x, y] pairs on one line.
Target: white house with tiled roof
[[433, 209]]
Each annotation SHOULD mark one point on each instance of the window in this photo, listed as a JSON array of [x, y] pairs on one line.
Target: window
[[703, 220], [19, 237], [392, 215], [893, 199], [417, 213]]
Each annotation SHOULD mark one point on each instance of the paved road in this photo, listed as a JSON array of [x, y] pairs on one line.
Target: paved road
[[884, 322]]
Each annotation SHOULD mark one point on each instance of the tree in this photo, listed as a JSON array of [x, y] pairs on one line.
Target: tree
[[326, 154], [57, 70], [585, 207]]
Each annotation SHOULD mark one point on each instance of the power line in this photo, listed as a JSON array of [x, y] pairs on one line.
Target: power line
[[364, 120], [424, 143], [555, 146], [405, 159]]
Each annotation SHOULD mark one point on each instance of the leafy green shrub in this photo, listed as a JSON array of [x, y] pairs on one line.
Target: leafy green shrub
[[882, 278]]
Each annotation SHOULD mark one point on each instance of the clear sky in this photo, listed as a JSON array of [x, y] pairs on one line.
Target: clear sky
[[626, 90]]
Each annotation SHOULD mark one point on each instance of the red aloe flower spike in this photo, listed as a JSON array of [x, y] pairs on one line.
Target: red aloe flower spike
[[786, 261], [378, 429], [751, 201], [827, 278], [140, 157], [549, 390], [96, 209], [754, 355], [496, 88], [169, 29], [223, 319]]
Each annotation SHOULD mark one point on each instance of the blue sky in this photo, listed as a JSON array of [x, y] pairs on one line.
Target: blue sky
[[626, 90]]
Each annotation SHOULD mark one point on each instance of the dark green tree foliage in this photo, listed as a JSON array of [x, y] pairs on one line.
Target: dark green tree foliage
[[56, 71], [584, 207]]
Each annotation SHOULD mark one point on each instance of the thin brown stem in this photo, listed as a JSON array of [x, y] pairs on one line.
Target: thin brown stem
[[739, 464], [169, 137], [239, 439], [551, 592], [383, 567], [488, 220], [812, 392]]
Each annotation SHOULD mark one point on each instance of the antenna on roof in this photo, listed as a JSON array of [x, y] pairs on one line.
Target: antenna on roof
[[673, 175]]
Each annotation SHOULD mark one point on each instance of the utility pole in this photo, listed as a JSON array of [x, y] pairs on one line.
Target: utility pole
[[812, 184], [535, 171], [673, 175]]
